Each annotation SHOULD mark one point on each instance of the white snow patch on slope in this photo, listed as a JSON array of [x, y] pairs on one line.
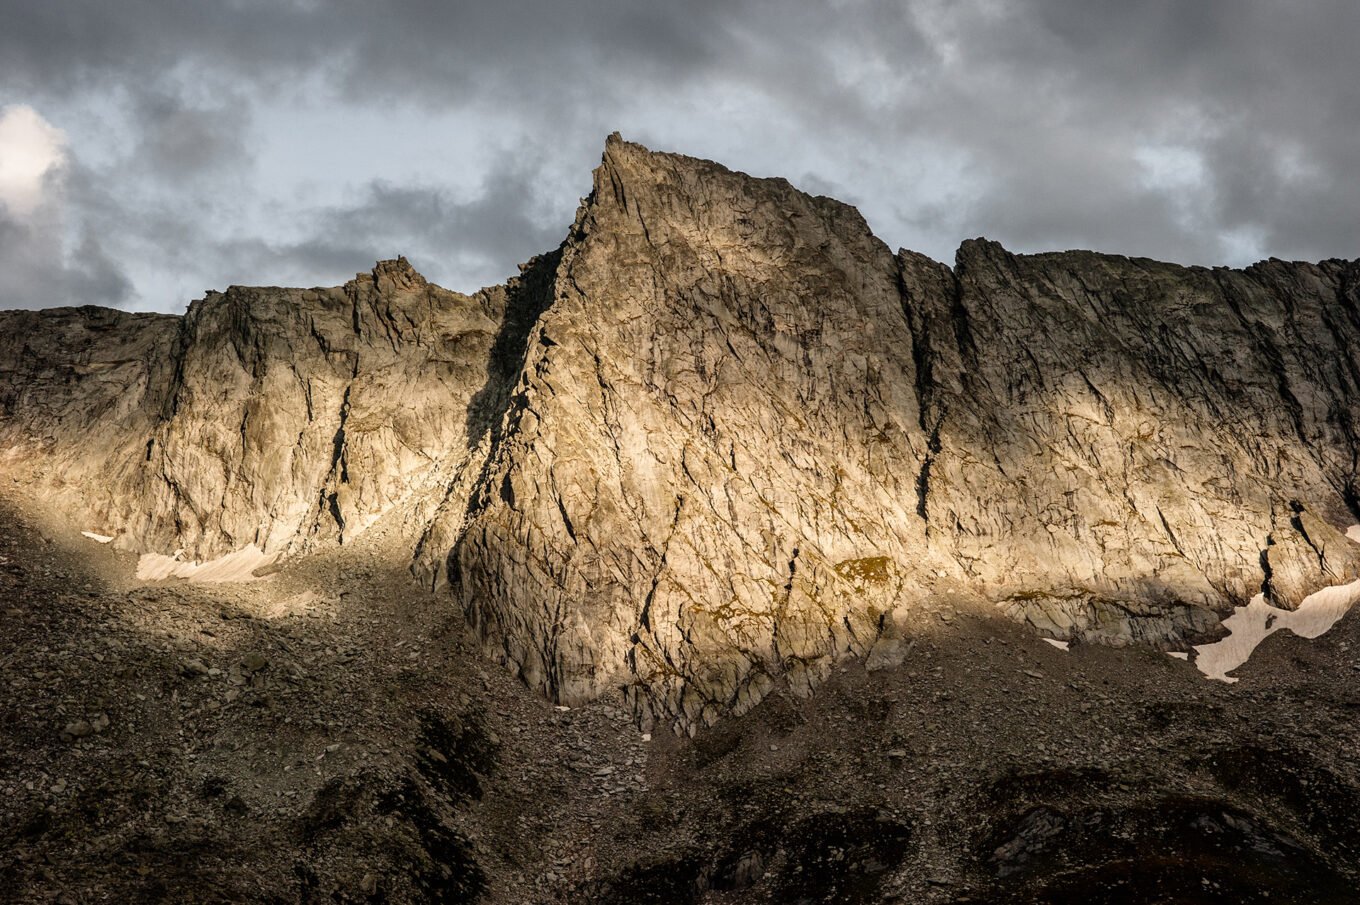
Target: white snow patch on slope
[[100, 538], [1249, 625], [1060, 645], [237, 566]]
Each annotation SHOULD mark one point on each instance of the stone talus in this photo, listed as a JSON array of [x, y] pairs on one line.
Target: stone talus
[[724, 436]]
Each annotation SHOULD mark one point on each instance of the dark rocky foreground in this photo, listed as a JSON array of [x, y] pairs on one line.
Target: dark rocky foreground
[[329, 733], [687, 476]]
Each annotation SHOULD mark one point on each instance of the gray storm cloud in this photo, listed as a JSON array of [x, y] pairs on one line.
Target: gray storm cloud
[[294, 142]]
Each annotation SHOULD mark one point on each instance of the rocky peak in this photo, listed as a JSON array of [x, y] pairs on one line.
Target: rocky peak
[[396, 276]]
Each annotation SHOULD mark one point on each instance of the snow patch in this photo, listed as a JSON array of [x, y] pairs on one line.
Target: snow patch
[[1249, 625], [1060, 645], [100, 538], [1353, 532], [237, 566], [1178, 654]]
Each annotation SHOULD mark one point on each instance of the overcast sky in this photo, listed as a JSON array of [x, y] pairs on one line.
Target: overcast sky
[[153, 149]]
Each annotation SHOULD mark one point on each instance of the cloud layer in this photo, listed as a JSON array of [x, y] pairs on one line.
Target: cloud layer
[[44, 259], [294, 142]]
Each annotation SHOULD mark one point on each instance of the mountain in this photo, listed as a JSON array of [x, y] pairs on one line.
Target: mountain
[[723, 437], [821, 573]]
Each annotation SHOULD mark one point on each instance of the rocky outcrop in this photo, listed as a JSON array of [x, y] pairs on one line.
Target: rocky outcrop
[[724, 436]]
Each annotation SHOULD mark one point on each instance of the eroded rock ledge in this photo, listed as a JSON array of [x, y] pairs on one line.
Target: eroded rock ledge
[[723, 436]]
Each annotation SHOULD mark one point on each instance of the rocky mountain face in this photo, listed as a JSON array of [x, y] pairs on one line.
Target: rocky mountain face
[[723, 437], [282, 418]]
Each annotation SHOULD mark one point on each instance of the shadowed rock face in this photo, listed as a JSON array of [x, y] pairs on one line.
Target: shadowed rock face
[[1115, 433], [723, 435]]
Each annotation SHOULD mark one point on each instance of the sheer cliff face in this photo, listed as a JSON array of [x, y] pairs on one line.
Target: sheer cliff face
[[724, 436]]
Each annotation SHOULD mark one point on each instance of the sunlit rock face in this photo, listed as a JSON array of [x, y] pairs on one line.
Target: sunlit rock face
[[711, 456], [281, 418], [81, 391], [723, 436]]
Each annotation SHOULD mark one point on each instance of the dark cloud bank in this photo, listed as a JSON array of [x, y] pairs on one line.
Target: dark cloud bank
[[1208, 132]]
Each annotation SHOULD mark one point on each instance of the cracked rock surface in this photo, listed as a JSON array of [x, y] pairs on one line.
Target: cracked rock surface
[[723, 437]]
